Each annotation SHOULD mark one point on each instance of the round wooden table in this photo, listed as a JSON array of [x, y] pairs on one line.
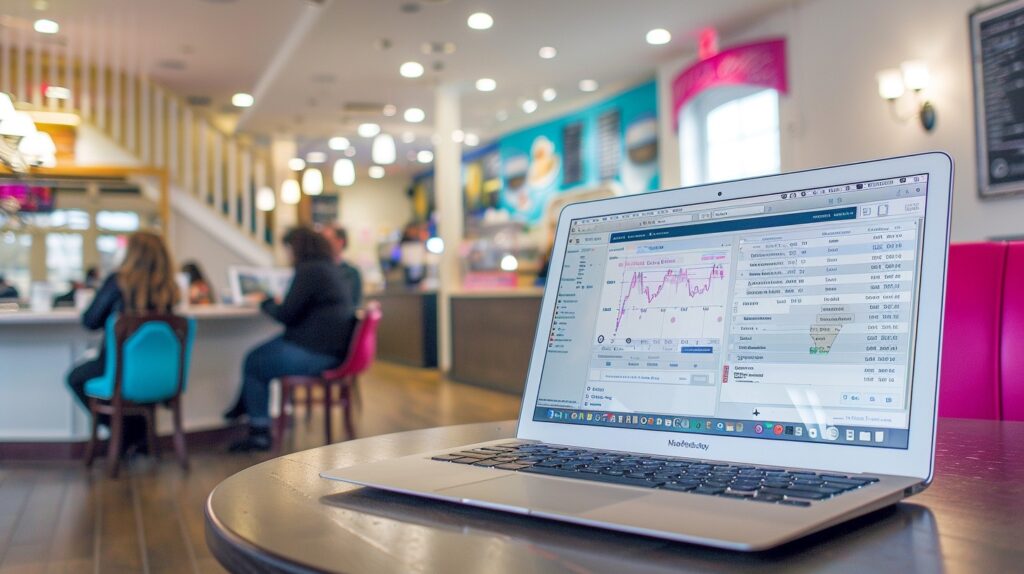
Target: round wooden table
[[280, 516]]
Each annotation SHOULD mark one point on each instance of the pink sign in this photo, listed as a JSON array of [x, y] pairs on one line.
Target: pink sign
[[760, 63]]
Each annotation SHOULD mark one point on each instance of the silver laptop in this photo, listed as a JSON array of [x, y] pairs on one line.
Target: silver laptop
[[737, 364]]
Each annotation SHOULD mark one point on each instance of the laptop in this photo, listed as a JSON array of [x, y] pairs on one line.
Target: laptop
[[736, 365]]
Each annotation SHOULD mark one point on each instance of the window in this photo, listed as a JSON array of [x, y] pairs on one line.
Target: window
[[111, 249], [730, 133], [15, 254], [63, 259], [117, 220]]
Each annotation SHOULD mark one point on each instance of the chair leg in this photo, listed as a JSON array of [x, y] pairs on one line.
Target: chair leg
[[116, 438], [328, 404], [346, 409], [179, 434], [90, 449], [357, 396], [279, 424], [151, 440]]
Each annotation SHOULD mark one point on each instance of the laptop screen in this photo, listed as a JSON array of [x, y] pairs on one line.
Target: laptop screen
[[783, 317]]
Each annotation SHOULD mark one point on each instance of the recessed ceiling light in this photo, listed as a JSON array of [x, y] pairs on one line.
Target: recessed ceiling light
[[425, 156], [242, 100], [502, 115], [44, 26], [549, 94], [414, 115], [547, 52], [486, 84], [296, 164], [458, 136], [411, 70], [588, 85], [368, 130], [472, 140], [316, 157], [376, 171], [408, 137], [480, 21], [659, 36], [529, 106], [338, 143], [389, 110]]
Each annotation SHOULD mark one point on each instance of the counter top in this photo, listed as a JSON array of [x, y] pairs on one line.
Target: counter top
[[70, 316]]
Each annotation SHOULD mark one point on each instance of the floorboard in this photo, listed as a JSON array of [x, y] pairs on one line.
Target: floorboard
[[61, 518]]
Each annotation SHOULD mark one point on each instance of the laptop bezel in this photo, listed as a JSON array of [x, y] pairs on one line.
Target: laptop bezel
[[914, 461]]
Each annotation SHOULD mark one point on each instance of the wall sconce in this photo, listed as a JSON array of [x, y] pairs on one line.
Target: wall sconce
[[911, 75]]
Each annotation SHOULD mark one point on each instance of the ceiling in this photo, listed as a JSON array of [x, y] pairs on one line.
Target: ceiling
[[321, 67]]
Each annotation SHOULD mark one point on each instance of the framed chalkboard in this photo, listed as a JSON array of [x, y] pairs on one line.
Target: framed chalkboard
[[997, 53]]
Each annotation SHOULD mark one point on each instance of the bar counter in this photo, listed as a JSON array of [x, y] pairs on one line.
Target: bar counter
[[492, 336], [38, 349]]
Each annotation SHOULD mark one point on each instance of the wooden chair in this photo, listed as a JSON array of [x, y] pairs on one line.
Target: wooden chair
[[147, 364], [344, 378]]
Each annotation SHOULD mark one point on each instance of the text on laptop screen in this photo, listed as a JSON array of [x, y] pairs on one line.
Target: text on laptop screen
[[783, 317]]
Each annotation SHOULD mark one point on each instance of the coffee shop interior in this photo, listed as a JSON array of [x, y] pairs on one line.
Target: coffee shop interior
[[404, 163]]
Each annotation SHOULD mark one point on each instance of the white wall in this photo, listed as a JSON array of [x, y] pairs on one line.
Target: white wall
[[370, 209], [833, 113], [190, 241]]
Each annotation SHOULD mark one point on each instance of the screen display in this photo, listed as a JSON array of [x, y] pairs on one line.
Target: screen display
[[29, 198], [782, 317]]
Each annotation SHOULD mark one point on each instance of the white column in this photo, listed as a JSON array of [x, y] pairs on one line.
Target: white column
[[448, 193]]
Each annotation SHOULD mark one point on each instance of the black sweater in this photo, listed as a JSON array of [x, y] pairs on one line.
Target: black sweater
[[108, 301], [317, 312]]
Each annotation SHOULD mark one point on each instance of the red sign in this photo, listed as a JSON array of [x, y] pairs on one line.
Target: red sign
[[760, 64]]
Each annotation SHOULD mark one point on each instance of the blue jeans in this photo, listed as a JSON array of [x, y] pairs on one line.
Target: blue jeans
[[273, 359]]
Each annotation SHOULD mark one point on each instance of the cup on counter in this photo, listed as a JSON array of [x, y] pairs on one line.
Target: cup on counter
[[41, 297]]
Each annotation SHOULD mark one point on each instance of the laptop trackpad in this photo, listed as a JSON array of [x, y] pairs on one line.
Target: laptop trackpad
[[538, 493]]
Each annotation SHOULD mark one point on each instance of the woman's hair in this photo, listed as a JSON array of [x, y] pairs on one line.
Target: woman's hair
[[146, 277], [194, 272], [308, 245]]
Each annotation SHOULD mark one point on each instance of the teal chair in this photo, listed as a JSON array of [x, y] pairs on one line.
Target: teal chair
[[147, 361]]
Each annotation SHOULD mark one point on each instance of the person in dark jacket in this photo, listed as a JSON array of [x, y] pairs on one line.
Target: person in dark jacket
[[338, 238], [318, 316], [143, 284]]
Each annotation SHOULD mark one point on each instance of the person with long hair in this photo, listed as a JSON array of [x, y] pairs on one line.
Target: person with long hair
[[318, 316], [199, 290], [144, 283]]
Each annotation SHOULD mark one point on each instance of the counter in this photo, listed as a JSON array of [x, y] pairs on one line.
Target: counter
[[492, 337], [38, 349], [407, 333]]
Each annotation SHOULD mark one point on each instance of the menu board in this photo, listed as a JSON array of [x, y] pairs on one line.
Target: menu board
[[997, 50]]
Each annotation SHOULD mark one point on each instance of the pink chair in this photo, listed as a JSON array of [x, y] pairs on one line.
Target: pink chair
[[972, 331], [361, 353], [1013, 334]]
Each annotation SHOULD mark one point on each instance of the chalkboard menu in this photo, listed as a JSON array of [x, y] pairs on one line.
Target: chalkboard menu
[[997, 50]]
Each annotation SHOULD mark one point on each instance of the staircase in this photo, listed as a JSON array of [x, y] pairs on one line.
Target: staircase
[[213, 175]]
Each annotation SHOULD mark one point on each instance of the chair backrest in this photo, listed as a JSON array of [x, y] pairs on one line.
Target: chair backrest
[[1013, 334], [149, 356], [971, 333], [363, 346]]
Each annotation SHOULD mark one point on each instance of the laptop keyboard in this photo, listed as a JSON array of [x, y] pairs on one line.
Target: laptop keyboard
[[761, 484]]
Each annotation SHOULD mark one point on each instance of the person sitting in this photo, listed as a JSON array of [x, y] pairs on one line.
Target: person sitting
[[91, 281], [144, 283], [7, 291], [338, 238], [318, 316], [199, 290]]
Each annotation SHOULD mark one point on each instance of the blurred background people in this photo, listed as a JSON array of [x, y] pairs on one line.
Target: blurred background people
[[200, 292], [338, 238], [7, 291], [144, 283], [91, 282], [318, 316]]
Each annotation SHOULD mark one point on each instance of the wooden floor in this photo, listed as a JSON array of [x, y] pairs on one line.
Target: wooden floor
[[60, 517]]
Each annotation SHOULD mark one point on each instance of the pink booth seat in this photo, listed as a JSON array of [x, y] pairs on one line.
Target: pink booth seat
[[970, 376], [1013, 334]]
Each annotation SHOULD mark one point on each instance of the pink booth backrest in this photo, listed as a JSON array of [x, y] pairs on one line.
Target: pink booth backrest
[[1013, 334], [970, 375]]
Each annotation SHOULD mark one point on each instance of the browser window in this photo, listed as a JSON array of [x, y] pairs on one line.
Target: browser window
[[783, 317]]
